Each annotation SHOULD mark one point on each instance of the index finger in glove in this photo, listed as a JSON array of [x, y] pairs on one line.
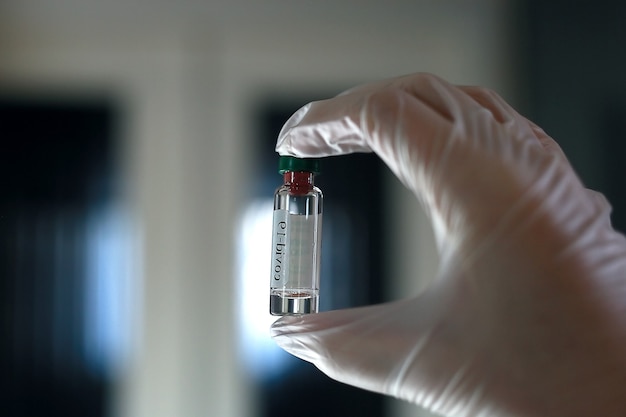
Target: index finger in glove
[[410, 122], [336, 126]]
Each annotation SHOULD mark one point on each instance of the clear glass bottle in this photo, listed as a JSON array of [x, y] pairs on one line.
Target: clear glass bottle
[[296, 239]]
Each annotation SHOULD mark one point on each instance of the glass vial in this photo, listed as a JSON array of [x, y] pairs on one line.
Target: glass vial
[[296, 239]]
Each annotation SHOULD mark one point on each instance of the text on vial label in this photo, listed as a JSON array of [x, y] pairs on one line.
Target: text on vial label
[[294, 249], [280, 247]]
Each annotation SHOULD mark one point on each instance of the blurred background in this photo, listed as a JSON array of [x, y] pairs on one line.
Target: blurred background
[[137, 171]]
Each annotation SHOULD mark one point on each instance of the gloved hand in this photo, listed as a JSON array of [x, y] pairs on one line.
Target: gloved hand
[[527, 316]]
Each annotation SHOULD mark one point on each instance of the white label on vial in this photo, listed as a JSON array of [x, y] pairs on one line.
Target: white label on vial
[[280, 258], [302, 241], [294, 243]]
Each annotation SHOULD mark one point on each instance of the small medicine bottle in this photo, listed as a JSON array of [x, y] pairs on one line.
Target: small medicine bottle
[[296, 239]]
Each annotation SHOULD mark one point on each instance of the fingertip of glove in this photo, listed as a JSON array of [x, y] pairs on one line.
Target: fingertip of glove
[[283, 144], [285, 325], [285, 334]]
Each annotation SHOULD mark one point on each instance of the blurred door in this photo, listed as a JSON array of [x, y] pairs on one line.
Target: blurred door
[[57, 251]]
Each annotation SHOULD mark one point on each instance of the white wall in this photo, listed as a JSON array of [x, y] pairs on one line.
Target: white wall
[[187, 72]]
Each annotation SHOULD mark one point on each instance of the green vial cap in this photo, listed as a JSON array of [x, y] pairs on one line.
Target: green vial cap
[[291, 163]]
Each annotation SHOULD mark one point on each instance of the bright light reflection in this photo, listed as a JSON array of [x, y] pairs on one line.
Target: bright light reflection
[[260, 353], [112, 289]]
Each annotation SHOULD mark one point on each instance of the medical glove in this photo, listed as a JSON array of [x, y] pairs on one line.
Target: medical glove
[[527, 314]]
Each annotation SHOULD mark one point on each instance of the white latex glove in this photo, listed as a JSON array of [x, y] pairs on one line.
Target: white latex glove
[[527, 316]]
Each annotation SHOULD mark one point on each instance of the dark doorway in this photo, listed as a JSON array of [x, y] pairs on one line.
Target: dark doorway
[[56, 174]]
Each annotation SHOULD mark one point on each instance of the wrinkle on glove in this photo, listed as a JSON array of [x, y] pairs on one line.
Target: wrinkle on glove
[[527, 314]]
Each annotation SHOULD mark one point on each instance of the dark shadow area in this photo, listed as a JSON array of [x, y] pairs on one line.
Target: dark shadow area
[[56, 171], [576, 69]]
